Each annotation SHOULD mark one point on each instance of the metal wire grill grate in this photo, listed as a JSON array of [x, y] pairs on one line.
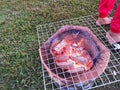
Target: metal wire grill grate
[[112, 72]]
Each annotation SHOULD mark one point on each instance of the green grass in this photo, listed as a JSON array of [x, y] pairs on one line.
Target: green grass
[[20, 67]]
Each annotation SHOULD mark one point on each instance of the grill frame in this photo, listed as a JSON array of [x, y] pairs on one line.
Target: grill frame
[[109, 76]]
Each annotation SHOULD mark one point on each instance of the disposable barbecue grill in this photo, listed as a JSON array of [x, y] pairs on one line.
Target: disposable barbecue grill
[[73, 57]]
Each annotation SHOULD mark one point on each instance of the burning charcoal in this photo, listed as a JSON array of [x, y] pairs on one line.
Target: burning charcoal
[[68, 49], [61, 58], [79, 59], [76, 70], [60, 46], [78, 49], [66, 65]]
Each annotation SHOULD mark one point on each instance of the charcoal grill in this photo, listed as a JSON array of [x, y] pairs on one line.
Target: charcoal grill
[[87, 79]]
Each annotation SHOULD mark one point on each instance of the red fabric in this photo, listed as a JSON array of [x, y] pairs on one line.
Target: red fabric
[[104, 9], [115, 24]]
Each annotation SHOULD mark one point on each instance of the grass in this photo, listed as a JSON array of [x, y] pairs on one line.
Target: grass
[[20, 67]]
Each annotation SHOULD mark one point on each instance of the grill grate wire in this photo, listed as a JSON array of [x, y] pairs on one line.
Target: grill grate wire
[[112, 72]]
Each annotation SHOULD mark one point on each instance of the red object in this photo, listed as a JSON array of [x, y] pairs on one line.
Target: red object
[[105, 8], [115, 24]]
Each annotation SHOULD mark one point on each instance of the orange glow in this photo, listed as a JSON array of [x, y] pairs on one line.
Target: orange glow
[[80, 42], [77, 65], [76, 50], [74, 63]]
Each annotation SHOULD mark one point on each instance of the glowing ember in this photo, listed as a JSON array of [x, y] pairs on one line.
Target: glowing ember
[[71, 55]]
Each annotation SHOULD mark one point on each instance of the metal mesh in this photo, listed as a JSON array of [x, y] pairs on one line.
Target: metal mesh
[[112, 72]]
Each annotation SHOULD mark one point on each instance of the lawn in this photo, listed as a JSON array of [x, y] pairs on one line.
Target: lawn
[[20, 67]]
